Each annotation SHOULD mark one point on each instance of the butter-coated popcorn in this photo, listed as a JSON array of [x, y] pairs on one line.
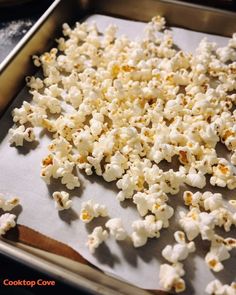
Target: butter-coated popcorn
[[7, 221], [170, 277], [215, 287], [62, 200], [116, 229], [97, 237], [90, 210]]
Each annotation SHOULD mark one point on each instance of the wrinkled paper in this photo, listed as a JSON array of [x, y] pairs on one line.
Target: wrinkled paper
[[20, 175]]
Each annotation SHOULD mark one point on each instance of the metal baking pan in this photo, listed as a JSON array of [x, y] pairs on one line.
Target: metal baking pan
[[39, 39]]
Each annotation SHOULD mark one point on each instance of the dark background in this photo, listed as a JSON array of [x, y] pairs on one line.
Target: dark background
[[9, 269]]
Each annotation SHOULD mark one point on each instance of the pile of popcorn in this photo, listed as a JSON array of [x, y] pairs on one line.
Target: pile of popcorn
[[117, 108]]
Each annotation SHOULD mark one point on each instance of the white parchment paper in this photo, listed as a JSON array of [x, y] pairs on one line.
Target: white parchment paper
[[20, 175]]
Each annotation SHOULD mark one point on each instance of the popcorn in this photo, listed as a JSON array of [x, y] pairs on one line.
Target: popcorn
[[127, 185], [74, 96], [144, 229], [62, 201], [171, 181], [219, 252], [163, 213], [224, 218], [109, 35], [97, 237], [193, 200], [217, 288], [207, 200], [53, 166], [158, 23], [7, 221], [83, 141], [116, 167], [212, 201], [195, 179], [116, 229], [223, 175], [209, 136], [179, 251], [96, 124], [60, 146], [149, 202], [48, 102], [34, 83], [18, 135], [233, 158], [170, 277], [195, 222], [8, 205], [91, 210], [118, 108], [21, 114], [70, 181], [226, 54]]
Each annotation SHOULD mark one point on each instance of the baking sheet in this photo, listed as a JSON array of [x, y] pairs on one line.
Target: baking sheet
[[20, 175]]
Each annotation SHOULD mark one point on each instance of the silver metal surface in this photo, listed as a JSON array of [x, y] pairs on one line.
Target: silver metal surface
[[18, 65]]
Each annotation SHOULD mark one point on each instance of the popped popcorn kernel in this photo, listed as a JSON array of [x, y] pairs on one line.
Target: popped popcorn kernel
[[215, 287], [62, 201], [116, 229], [170, 277], [8, 205], [97, 237], [179, 251], [91, 210], [7, 221], [18, 135]]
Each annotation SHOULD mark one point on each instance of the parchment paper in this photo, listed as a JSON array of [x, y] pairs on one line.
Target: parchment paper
[[20, 175]]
